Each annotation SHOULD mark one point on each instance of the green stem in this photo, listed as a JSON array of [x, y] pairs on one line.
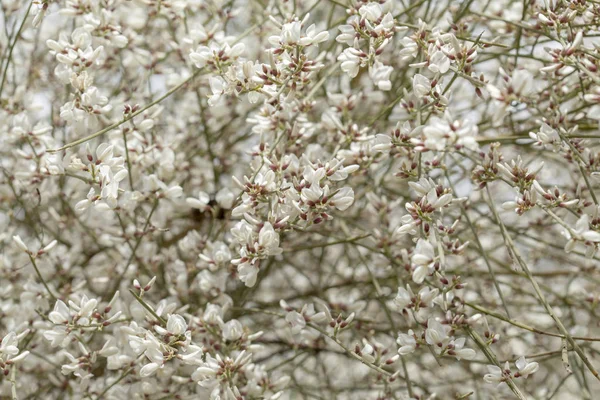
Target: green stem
[[12, 47], [513, 250]]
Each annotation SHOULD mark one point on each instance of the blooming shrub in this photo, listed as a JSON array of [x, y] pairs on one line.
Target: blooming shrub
[[299, 199]]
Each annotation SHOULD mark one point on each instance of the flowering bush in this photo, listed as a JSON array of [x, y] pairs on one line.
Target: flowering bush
[[299, 199]]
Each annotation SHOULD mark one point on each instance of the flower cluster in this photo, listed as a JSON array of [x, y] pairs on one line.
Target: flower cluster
[[244, 200]]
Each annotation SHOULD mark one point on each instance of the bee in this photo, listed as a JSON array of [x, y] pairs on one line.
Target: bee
[[212, 211]]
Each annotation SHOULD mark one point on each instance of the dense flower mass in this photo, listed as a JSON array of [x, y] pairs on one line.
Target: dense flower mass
[[299, 199]]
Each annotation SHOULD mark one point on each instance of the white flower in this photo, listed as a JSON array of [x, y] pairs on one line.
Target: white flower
[[594, 112], [232, 330], [201, 56], [525, 368], [406, 227], [248, 273], [424, 253], [243, 232], [380, 75], [176, 325], [343, 198], [9, 350], [81, 38], [371, 11], [85, 308], [403, 298], [427, 295], [296, 321], [343, 172], [290, 33], [410, 48], [173, 192], [213, 314], [367, 351], [406, 297], [457, 350], [216, 254], [581, 232], [423, 258], [496, 374], [312, 193], [225, 198], [351, 60], [109, 349], [438, 61], [421, 85], [9, 345], [435, 333], [442, 132], [149, 369], [60, 314], [313, 37], [57, 336], [546, 135], [407, 343], [522, 82], [268, 239], [205, 55], [217, 87], [593, 96], [347, 34]]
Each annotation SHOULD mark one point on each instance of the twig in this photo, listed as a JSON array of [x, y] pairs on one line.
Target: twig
[[513, 250]]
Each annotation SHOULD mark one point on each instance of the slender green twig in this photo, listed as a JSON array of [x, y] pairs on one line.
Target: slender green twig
[[129, 116], [117, 281], [494, 360], [147, 307], [123, 375], [517, 256], [482, 250], [12, 47], [501, 317], [37, 271]]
